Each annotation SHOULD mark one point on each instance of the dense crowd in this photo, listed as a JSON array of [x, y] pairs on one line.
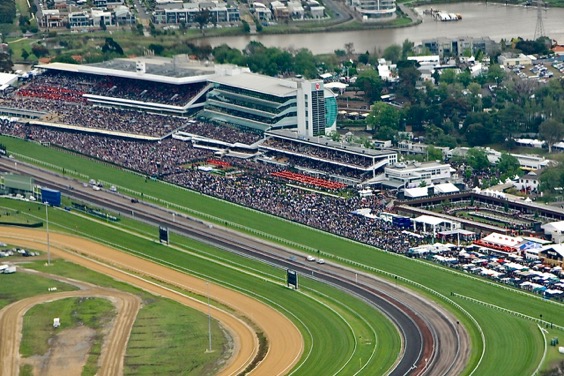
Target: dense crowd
[[329, 154], [72, 86], [326, 168], [222, 132], [253, 188], [96, 117]]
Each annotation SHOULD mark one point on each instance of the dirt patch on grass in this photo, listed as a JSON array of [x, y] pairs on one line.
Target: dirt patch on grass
[[67, 355]]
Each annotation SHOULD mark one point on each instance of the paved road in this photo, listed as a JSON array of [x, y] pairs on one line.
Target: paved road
[[438, 346]]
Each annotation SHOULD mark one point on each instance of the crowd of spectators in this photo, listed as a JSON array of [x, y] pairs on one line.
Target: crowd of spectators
[[175, 95], [319, 152], [223, 132], [96, 117], [151, 158], [326, 168], [253, 188], [72, 86]]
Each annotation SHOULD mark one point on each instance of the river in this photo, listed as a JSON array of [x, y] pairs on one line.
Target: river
[[478, 19]]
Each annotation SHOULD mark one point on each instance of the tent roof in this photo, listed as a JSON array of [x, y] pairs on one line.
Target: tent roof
[[428, 219], [336, 85], [446, 188], [553, 226], [457, 231], [416, 192], [502, 239]]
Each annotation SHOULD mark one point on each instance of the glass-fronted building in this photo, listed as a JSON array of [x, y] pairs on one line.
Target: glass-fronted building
[[262, 102]]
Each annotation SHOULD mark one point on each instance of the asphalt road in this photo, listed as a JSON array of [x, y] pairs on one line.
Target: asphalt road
[[433, 342]]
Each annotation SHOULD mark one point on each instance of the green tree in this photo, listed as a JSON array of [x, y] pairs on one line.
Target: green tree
[[111, 47], [6, 63], [392, 53], [369, 81], [551, 131], [508, 166], [434, 154], [158, 49], [305, 63], [202, 18], [552, 177], [406, 49], [448, 76], [364, 58], [226, 55], [383, 115], [246, 26], [7, 12], [477, 159], [25, 54], [102, 24], [39, 50], [478, 135]]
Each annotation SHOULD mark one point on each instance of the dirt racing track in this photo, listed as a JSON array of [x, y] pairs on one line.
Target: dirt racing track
[[284, 339], [115, 343]]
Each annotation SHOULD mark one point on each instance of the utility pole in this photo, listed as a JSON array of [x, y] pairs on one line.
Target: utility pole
[[47, 227], [209, 320]]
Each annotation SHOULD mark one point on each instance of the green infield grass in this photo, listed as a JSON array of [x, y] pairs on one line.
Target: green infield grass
[[38, 328], [18, 286], [439, 282], [164, 334]]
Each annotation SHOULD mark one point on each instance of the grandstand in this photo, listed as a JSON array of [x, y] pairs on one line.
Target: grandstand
[[323, 157], [174, 87]]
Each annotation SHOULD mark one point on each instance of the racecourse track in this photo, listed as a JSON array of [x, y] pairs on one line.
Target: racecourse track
[[433, 341]]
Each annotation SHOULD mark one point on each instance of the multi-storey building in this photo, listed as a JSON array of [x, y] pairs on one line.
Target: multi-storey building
[[262, 102], [453, 47], [374, 10], [187, 13]]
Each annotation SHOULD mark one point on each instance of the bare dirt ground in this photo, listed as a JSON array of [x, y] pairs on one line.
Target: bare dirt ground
[[284, 339], [67, 354]]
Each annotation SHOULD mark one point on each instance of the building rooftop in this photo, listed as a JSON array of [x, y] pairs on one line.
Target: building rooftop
[[257, 82], [171, 71]]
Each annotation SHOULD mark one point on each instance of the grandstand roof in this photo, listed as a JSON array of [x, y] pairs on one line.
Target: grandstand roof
[[259, 83], [328, 143], [156, 70], [7, 78]]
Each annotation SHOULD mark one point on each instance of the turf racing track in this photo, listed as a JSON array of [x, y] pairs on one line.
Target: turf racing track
[[433, 342]]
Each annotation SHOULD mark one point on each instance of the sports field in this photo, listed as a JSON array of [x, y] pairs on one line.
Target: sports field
[[500, 336]]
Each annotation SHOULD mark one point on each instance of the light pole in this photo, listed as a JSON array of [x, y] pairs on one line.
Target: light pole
[[47, 227], [209, 320]]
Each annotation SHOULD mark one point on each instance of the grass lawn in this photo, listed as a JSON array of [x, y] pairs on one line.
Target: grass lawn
[[19, 286], [73, 312], [9, 216]]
